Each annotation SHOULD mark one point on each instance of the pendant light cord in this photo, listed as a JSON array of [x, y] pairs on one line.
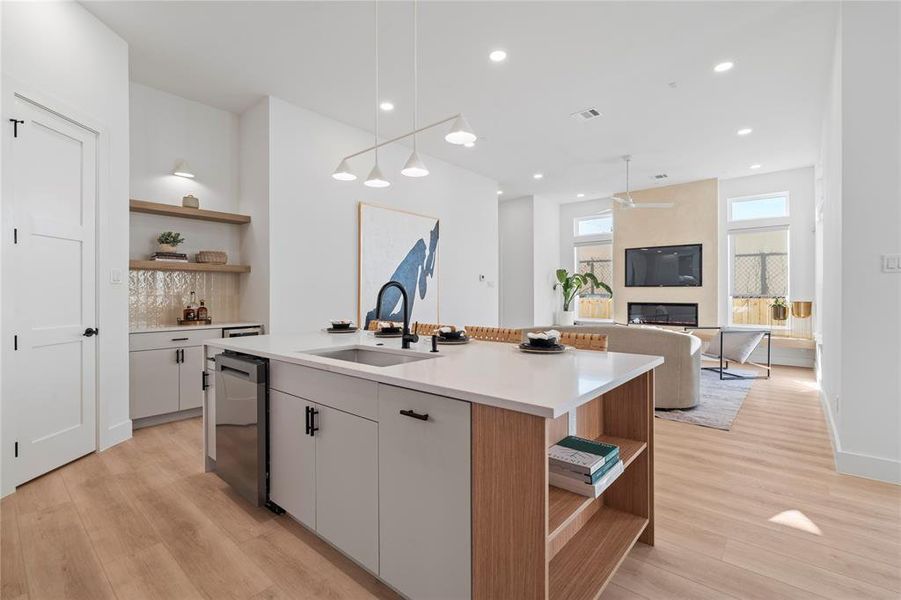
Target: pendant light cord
[[415, 66], [376, 105]]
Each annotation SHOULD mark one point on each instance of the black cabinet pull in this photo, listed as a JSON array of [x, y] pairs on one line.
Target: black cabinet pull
[[313, 428], [415, 415], [306, 429], [180, 339], [203, 380]]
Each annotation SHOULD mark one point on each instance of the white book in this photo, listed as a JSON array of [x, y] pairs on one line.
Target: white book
[[586, 489]]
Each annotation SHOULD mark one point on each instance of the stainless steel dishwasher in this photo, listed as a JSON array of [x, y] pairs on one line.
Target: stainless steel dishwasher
[[242, 458]]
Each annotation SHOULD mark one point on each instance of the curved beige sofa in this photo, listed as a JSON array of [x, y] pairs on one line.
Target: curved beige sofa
[[678, 379]]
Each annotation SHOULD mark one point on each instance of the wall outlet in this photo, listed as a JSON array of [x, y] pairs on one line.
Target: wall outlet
[[891, 263]]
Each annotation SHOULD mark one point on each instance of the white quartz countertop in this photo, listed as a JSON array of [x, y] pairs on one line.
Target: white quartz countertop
[[213, 325], [491, 373]]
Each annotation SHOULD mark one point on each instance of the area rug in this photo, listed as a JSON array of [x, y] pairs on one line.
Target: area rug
[[720, 402]]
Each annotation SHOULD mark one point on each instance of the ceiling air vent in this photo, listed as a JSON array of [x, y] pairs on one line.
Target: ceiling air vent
[[586, 114], [660, 176]]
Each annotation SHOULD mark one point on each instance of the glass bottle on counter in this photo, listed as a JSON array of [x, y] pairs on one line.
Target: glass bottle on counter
[[203, 313], [190, 312]]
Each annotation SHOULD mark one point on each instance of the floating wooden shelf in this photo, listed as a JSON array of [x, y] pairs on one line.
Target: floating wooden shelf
[[156, 265], [583, 567], [170, 210], [564, 506]]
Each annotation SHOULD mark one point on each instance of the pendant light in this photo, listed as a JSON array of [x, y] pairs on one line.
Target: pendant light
[[182, 169], [461, 133], [415, 167], [376, 179], [343, 172]]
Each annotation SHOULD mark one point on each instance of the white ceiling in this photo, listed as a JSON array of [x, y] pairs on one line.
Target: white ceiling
[[619, 57]]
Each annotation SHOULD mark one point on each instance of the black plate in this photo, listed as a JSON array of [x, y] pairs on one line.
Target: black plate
[[555, 349], [341, 329], [342, 326], [397, 334], [539, 343], [452, 335]]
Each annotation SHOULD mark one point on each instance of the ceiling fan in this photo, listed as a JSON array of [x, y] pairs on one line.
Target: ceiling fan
[[627, 202]]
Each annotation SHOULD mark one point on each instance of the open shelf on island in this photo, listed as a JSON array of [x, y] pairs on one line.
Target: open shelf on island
[[582, 568], [171, 210], [159, 265], [565, 506]]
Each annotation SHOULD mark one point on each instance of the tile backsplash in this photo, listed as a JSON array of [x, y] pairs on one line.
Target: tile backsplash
[[156, 298]]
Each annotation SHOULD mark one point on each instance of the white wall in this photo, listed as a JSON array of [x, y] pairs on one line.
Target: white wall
[[546, 260], [165, 128], [254, 201], [517, 276], [61, 53], [861, 184], [314, 232], [799, 183]]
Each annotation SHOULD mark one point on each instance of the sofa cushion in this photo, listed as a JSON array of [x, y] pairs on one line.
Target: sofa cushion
[[737, 345]]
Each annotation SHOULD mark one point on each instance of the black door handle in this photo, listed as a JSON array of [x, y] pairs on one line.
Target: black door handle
[[90, 332], [306, 429], [415, 415], [313, 413], [203, 380]]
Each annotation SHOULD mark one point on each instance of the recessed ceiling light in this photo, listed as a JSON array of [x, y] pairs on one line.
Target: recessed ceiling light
[[755, 166], [538, 176], [723, 67], [500, 192], [387, 106], [744, 131], [580, 195], [498, 56]]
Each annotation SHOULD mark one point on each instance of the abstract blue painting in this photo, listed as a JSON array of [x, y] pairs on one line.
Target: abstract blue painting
[[400, 246]]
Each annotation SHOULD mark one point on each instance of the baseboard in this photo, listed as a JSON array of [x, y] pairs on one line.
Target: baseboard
[[853, 463], [116, 434], [168, 417]]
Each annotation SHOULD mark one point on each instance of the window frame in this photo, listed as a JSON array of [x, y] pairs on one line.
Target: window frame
[[731, 231], [763, 221], [593, 239]]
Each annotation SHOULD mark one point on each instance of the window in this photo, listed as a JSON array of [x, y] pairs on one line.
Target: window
[[758, 265], [594, 225], [753, 208]]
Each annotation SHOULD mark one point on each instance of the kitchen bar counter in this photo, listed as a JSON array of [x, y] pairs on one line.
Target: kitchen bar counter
[[213, 325], [488, 373]]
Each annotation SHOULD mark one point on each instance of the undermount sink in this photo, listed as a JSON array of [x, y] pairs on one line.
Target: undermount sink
[[371, 357]]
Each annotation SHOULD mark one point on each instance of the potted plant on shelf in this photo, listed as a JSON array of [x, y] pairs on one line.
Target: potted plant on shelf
[[779, 309], [571, 285], [169, 241]]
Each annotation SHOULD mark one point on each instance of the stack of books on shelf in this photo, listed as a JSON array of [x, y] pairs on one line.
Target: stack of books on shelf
[[582, 466], [169, 257]]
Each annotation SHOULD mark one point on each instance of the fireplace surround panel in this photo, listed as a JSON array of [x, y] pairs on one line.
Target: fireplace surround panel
[[682, 314]]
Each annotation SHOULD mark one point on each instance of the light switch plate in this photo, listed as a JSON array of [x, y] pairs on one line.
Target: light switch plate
[[115, 276], [891, 263]]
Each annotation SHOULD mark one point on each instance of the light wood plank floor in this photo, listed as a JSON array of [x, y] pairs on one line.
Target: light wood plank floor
[[756, 512]]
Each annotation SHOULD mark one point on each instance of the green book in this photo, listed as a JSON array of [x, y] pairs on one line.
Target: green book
[[582, 455]]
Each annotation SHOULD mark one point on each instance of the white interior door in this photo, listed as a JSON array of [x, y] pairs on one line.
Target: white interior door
[[53, 368]]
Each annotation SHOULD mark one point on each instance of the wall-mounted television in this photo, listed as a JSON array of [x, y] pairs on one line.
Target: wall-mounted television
[[664, 266]]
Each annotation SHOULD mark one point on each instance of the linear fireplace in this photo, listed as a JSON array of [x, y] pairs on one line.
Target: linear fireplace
[[664, 313]]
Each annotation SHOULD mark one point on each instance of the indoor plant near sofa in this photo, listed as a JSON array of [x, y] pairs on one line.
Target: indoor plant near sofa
[[571, 285]]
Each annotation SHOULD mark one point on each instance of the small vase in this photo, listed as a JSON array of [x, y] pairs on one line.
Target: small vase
[[780, 313], [566, 318], [168, 248]]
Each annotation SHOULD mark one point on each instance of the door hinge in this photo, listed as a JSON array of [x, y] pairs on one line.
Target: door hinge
[[16, 450], [15, 343], [16, 123]]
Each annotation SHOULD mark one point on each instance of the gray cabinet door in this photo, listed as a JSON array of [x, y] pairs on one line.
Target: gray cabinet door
[[154, 382], [190, 390], [424, 494], [347, 503], [292, 458]]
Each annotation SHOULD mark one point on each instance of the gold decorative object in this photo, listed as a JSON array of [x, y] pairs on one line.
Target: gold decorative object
[[214, 257], [802, 309]]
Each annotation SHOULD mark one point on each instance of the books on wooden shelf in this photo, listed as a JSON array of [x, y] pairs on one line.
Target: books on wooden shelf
[[169, 257], [583, 466], [574, 483], [581, 455]]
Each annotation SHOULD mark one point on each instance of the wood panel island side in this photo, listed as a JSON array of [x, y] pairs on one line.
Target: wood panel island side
[[456, 504]]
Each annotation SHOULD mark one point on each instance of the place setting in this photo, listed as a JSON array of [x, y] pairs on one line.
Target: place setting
[[542, 342], [341, 326], [388, 329], [450, 335]]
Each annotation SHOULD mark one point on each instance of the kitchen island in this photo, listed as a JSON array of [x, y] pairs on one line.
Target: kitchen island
[[430, 470]]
